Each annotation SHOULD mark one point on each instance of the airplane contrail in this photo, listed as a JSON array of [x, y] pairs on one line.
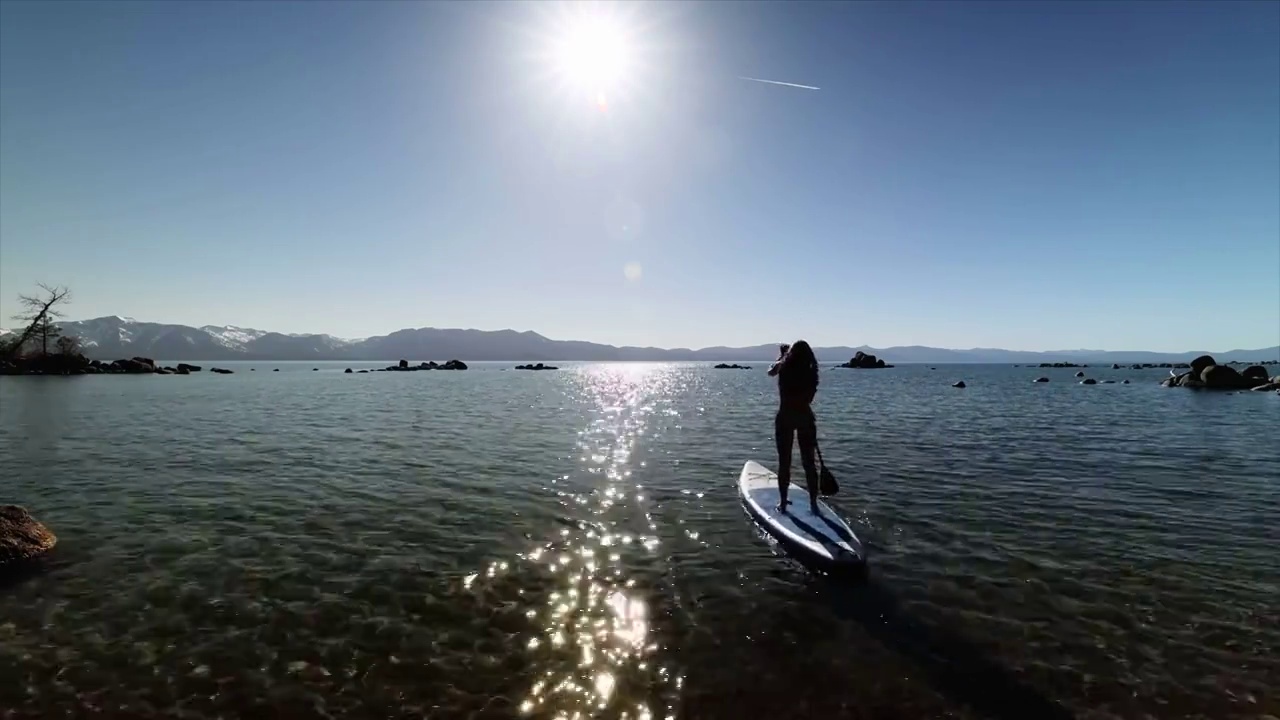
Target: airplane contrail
[[779, 82]]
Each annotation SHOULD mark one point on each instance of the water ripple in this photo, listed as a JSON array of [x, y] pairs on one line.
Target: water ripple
[[319, 545]]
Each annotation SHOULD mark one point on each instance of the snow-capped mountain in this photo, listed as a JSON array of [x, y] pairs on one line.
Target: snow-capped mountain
[[114, 337]]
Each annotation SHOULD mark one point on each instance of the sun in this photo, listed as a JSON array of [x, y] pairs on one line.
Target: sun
[[592, 53]]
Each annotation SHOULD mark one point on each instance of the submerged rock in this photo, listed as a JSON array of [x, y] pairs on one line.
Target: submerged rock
[[22, 537], [959, 385], [1088, 381], [221, 371], [1041, 379]]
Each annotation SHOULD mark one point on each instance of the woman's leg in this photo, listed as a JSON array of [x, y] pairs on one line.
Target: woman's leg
[[782, 436], [808, 437]]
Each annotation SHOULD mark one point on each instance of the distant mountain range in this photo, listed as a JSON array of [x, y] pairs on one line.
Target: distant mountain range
[[113, 337]]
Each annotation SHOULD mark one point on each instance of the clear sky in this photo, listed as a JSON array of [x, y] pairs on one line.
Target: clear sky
[[1019, 175]]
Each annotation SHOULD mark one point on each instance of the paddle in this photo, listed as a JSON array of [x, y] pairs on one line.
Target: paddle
[[827, 484]]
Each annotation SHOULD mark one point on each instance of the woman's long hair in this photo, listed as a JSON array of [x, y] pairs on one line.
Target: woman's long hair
[[798, 371]]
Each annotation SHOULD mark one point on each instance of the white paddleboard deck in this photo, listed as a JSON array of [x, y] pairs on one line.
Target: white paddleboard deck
[[823, 537]]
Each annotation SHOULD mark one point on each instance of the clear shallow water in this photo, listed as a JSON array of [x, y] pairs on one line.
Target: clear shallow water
[[569, 544]]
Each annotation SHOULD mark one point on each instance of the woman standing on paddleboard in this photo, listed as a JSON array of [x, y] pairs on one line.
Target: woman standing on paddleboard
[[797, 372]]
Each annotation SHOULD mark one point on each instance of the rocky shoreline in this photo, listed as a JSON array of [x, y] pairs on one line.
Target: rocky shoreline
[[1150, 366], [80, 365]]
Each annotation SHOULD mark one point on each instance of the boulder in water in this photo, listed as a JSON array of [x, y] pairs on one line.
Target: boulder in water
[[1223, 377], [959, 385], [22, 537], [1041, 380], [1088, 381], [454, 365], [1255, 372], [1199, 364]]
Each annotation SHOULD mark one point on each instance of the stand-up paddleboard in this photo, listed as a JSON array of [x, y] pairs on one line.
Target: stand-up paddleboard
[[824, 537]]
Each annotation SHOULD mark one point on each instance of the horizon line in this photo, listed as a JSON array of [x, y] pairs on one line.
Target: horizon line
[[1077, 351]]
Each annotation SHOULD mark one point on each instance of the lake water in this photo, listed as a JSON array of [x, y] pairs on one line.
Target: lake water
[[570, 544]]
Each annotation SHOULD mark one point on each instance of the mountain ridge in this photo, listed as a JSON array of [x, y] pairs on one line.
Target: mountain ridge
[[112, 337]]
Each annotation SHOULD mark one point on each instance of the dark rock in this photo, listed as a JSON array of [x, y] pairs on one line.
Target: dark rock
[[1124, 382], [1080, 374], [145, 361], [182, 371], [1114, 366], [404, 364], [1199, 364], [1041, 379], [348, 372], [1268, 387], [315, 369], [539, 366], [276, 370], [1108, 382], [864, 361], [134, 366], [220, 371], [22, 537], [1223, 377], [1088, 381], [454, 365], [1060, 365], [188, 368], [735, 366], [165, 371], [955, 385], [1255, 372], [362, 372]]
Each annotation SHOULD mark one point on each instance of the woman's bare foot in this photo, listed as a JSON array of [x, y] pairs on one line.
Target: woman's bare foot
[[782, 506]]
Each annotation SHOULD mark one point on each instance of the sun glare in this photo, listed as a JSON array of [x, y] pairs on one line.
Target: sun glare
[[593, 55]]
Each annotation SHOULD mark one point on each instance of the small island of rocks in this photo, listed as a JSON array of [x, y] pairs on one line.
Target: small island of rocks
[[1207, 374], [538, 366], [731, 366], [863, 361]]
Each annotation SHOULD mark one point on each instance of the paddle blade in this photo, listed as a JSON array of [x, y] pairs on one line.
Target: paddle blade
[[827, 484]]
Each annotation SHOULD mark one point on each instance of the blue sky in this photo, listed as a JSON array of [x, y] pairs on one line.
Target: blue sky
[[1019, 175]]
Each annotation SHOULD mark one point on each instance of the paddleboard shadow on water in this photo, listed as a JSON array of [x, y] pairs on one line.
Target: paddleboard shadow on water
[[955, 666]]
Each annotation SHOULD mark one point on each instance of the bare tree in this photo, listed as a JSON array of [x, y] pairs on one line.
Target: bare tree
[[39, 314]]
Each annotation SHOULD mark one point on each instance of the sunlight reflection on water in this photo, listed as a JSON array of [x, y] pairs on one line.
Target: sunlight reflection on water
[[596, 615]]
